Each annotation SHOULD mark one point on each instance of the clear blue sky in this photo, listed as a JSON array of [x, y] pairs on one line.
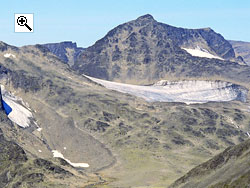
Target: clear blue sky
[[85, 21]]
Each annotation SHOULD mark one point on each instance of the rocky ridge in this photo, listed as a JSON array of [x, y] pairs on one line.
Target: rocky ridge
[[242, 49], [66, 51], [227, 169]]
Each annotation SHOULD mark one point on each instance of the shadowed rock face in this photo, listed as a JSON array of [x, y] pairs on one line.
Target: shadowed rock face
[[242, 49], [4, 47], [145, 50], [65, 51]]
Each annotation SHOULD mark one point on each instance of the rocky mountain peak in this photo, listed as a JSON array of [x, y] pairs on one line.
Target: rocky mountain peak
[[144, 20], [146, 17], [144, 51]]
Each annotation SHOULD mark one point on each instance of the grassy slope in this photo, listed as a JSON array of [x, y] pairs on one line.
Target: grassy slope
[[17, 169], [228, 169]]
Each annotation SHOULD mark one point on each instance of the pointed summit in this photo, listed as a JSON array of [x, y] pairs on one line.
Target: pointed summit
[[144, 20], [146, 17]]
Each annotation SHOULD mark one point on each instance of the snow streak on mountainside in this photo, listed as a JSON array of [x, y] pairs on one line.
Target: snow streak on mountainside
[[19, 114], [60, 155], [198, 52], [182, 91]]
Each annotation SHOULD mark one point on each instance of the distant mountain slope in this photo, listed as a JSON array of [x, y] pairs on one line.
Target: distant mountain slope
[[144, 51], [228, 169], [66, 51], [242, 49]]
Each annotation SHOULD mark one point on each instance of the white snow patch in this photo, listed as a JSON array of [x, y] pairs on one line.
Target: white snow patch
[[232, 122], [248, 134], [64, 148], [40, 151], [182, 91], [198, 52], [60, 155], [19, 114], [39, 129], [8, 55]]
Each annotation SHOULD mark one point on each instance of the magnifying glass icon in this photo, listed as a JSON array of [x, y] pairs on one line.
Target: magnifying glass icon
[[22, 21]]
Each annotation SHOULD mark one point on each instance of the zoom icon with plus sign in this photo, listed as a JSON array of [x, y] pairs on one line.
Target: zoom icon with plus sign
[[24, 23]]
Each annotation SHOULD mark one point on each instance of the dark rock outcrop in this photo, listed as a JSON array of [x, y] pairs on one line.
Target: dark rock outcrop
[[242, 49], [66, 51], [4, 47]]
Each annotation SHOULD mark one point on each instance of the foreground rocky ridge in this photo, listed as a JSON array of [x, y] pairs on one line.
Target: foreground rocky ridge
[[228, 169]]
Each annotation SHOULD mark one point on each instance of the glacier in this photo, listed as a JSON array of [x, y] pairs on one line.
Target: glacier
[[189, 92]]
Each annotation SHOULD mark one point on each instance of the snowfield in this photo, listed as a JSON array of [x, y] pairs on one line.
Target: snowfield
[[20, 114], [60, 155], [182, 91], [198, 52]]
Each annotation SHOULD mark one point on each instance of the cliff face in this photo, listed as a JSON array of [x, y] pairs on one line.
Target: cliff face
[[66, 51], [242, 49], [144, 51]]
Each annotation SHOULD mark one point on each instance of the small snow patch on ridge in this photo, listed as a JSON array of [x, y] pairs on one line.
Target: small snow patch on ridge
[[60, 155], [8, 55]]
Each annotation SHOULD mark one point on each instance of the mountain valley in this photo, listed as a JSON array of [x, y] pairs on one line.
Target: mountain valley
[[136, 109]]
